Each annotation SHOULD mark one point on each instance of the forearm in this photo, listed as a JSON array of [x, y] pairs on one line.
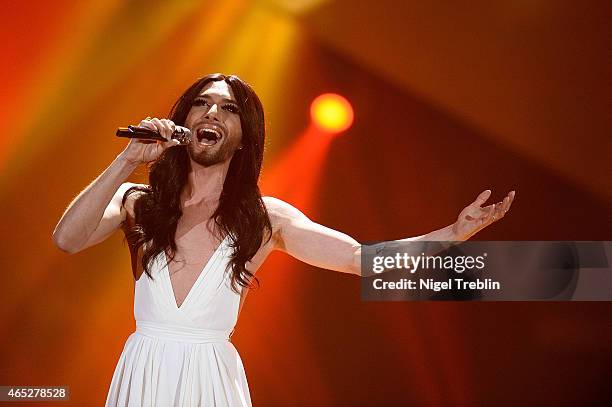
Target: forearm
[[445, 238], [84, 213], [446, 234]]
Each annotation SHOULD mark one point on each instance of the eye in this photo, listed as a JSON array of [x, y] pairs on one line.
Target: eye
[[232, 108], [199, 102]]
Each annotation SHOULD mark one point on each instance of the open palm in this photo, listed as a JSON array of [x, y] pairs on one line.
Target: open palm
[[475, 217]]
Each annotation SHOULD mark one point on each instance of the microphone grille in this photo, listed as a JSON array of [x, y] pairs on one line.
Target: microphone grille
[[182, 130], [182, 134]]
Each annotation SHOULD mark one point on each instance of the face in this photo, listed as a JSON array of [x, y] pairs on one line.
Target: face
[[214, 122]]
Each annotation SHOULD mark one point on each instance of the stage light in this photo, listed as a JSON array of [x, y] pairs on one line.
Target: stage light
[[331, 113]]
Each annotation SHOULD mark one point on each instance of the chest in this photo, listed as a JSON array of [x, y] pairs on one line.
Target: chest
[[196, 244]]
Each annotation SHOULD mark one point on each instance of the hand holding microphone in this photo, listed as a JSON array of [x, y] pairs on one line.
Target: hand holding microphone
[[151, 137]]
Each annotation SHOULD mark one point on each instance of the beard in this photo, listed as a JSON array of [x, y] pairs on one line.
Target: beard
[[210, 156]]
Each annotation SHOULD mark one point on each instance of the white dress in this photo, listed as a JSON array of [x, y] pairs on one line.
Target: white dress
[[182, 356]]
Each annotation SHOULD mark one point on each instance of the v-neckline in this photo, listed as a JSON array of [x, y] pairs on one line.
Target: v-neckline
[[204, 269]]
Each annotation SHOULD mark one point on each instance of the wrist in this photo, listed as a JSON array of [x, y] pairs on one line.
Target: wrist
[[126, 163], [454, 234]]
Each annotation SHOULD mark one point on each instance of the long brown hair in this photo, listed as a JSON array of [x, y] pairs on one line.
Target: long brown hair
[[241, 213]]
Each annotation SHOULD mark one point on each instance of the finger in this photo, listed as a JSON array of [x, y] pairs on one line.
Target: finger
[[161, 128], [486, 212], [171, 143], [171, 127], [512, 194], [482, 198], [508, 201], [169, 123], [147, 124], [491, 214], [505, 204]]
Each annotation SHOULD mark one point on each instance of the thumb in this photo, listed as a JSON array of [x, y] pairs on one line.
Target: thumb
[[171, 143], [482, 198]]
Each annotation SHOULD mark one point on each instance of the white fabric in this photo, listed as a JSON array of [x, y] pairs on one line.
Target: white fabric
[[182, 356]]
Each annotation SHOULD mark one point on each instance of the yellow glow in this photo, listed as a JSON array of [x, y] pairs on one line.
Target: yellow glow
[[297, 6], [331, 113]]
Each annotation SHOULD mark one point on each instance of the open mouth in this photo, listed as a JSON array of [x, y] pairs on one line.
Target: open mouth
[[209, 135]]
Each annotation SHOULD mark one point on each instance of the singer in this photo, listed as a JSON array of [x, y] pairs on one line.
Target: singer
[[197, 234]]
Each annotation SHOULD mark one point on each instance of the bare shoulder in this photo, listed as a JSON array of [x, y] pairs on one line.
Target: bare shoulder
[[281, 215], [280, 211], [278, 207]]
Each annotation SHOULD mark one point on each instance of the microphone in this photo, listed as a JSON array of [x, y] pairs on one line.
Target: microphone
[[182, 134]]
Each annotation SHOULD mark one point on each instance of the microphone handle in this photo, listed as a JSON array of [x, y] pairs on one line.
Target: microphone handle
[[142, 133]]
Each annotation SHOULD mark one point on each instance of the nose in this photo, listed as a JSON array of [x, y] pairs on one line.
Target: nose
[[212, 112]]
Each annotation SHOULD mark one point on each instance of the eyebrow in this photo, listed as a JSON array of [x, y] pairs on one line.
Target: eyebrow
[[224, 99]]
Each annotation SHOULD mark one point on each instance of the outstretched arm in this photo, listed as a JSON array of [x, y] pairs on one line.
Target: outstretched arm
[[310, 242], [320, 246]]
